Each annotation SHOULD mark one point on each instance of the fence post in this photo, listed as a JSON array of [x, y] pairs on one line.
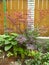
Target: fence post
[[4, 7]]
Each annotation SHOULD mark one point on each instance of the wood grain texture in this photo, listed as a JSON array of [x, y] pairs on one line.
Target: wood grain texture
[[11, 11]]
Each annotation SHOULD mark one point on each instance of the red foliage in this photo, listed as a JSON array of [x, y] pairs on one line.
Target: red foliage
[[43, 13]]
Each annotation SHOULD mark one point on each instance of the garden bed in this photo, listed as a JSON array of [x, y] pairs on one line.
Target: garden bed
[[23, 49]]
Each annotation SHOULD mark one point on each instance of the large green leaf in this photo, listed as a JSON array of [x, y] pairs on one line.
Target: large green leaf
[[14, 34], [14, 42], [1, 38], [1, 44], [7, 47], [10, 38], [7, 42], [21, 51], [4, 36]]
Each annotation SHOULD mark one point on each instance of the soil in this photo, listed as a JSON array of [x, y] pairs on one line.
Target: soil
[[8, 61], [11, 61]]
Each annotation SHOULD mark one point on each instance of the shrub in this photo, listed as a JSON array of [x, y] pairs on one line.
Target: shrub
[[39, 59]]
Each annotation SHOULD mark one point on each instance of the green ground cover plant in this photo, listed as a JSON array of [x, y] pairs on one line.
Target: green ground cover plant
[[25, 46]]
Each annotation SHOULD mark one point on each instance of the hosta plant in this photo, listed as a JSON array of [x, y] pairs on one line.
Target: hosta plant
[[20, 45]]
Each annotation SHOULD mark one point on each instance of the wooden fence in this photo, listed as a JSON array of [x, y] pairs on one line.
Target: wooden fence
[[42, 16], [12, 7], [10, 10]]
